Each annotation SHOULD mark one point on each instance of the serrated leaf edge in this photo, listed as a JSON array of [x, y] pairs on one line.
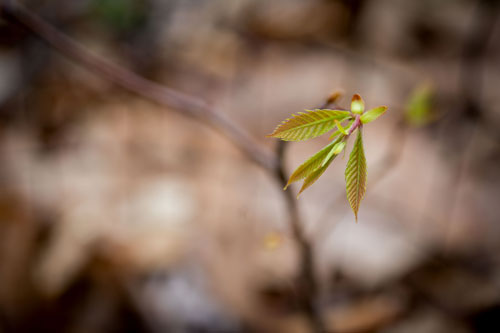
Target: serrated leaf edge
[[355, 175], [313, 163], [314, 176], [311, 121]]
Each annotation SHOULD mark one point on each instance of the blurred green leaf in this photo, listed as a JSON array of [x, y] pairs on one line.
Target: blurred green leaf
[[419, 110], [120, 15]]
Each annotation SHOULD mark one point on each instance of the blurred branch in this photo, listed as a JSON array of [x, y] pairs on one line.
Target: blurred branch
[[198, 109], [183, 103], [307, 280]]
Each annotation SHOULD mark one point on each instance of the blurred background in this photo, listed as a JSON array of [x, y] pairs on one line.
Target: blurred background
[[121, 215]]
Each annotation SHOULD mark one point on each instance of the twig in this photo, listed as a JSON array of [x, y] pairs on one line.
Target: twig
[[307, 281], [183, 103]]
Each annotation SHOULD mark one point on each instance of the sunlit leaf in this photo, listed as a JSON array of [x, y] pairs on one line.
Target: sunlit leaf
[[334, 135], [338, 132], [357, 104], [336, 149], [341, 129], [355, 175], [313, 177], [373, 114], [308, 125], [313, 163]]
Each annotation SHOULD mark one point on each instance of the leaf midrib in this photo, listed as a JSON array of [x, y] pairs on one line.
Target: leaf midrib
[[358, 173], [357, 169], [312, 124]]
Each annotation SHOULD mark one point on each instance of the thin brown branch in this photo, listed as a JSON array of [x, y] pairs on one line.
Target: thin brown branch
[[177, 101], [309, 289], [307, 281]]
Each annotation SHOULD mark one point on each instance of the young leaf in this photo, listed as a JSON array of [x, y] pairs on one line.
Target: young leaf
[[357, 104], [373, 114], [337, 132], [311, 178], [341, 129], [308, 125], [313, 163], [336, 149], [355, 175], [334, 135]]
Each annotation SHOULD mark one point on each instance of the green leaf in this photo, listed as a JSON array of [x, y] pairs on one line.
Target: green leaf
[[313, 163], [338, 132], [419, 108], [334, 135], [357, 104], [308, 125], [341, 129], [355, 175], [313, 177], [373, 114], [336, 149]]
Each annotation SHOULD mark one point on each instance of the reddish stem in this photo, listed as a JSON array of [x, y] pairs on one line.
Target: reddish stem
[[357, 123]]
